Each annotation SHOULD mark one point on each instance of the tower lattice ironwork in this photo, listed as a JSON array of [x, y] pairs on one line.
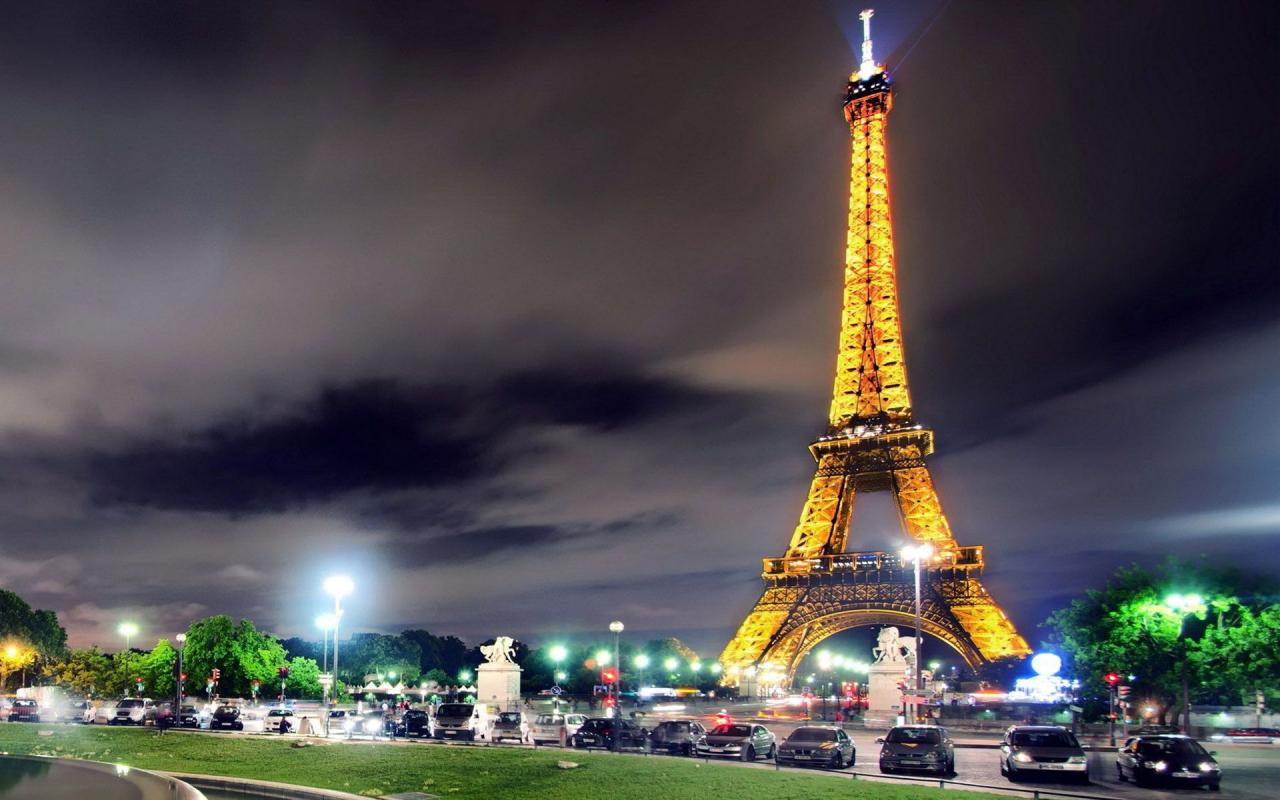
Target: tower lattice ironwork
[[872, 443]]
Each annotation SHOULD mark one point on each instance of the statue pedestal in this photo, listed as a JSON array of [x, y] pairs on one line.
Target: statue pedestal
[[499, 684], [884, 698]]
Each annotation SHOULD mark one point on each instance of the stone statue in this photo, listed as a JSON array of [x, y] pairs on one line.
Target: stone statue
[[892, 648], [500, 652]]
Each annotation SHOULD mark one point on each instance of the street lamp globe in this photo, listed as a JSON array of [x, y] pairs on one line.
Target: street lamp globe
[[642, 661], [671, 664], [602, 657], [616, 627], [339, 586], [181, 638], [558, 653]]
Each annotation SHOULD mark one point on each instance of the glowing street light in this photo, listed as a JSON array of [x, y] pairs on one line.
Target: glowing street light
[[128, 630], [465, 676], [671, 664], [337, 587], [561, 675], [915, 554], [557, 653], [641, 661], [716, 669]]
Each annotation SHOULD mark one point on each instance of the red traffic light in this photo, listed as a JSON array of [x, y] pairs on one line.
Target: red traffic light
[[609, 675], [182, 676], [1111, 678]]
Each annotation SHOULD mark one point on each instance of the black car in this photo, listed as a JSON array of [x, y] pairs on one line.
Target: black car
[[677, 736], [610, 734], [922, 748], [226, 717], [1167, 758], [413, 722], [24, 711]]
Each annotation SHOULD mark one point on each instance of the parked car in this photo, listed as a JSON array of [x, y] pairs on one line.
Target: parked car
[[507, 725], [1167, 758], [1248, 736], [453, 721], [818, 744], [610, 734], [22, 710], [72, 711], [739, 740], [413, 722], [100, 714], [1042, 749], [677, 736], [278, 718], [226, 716], [918, 748], [134, 711]]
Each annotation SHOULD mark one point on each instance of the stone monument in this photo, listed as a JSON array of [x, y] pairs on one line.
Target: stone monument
[[498, 681], [894, 656]]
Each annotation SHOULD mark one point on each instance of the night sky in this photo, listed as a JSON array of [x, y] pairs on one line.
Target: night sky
[[524, 313]]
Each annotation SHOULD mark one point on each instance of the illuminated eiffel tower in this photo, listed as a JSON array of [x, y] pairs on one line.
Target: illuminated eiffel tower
[[872, 444]]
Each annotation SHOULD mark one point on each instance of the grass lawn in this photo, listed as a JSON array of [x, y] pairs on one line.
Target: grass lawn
[[461, 772]]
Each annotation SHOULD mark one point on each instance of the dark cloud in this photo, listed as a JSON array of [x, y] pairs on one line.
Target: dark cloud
[[379, 436]]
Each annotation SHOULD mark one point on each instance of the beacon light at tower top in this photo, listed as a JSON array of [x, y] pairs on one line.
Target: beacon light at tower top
[[868, 67]]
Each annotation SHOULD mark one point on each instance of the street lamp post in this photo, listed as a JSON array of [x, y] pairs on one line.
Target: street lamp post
[[915, 554], [338, 587], [182, 645], [617, 628]]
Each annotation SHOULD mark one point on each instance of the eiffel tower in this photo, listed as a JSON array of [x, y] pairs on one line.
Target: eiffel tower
[[873, 443]]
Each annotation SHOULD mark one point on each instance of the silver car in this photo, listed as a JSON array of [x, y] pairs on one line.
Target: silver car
[[817, 745], [738, 740], [1042, 750]]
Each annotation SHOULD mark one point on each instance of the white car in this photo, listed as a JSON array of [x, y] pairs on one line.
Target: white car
[[278, 716], [134, 711], [548, 727], [100, 714]]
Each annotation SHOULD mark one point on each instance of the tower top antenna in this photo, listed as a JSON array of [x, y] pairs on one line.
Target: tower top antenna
[[868, 66]]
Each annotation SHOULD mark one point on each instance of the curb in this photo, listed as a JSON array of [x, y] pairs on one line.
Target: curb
[[281, 791]]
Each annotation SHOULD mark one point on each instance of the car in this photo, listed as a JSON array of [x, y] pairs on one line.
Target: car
[[453, 721], [226, 716], [607, 733], [1248, 736], [370, 723], [134, 711], [738, 740], [100, 714], [821, 745], [548, 728], [507, 725], [1167, 758], [677, 736], [278, 718], [918, 748], [72, 711], [22, 710], [413, 722], [1040, 750]]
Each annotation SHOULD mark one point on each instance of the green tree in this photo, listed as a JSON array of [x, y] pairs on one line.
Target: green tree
[[1133, 626], [239, 650], [86, 672], [157, 670], [304, 678]]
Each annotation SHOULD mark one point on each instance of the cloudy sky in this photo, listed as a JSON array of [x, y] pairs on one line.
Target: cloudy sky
[[523, 313]]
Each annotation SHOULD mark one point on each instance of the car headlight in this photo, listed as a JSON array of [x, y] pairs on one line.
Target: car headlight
[[1077, 760], [1208, 766], [372, 726], [929, 757], [1021, 757], [734, 747], [1160, 766]]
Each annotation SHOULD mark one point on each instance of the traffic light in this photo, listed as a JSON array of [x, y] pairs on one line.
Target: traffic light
[[1123, 692], [609, 675], [284, 672], [1112, 678], [217, 673]]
